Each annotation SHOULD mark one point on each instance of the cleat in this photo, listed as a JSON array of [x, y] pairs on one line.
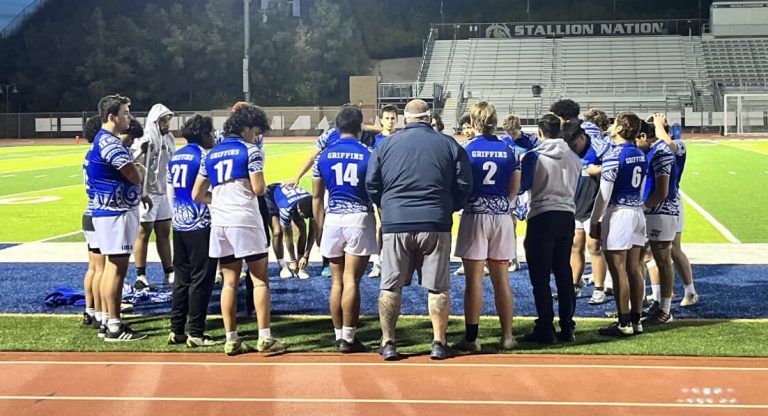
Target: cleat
[[141, 282], [88, 320], [124, 334], [326, 271], [638, 328], [285, 273], [346, 347], [690, 299], [302, 275], [617, 330], [514, 266], [270, 346], [388, 351], [653, 309], [469, 346], [204, 341], [174, 339], [102, 331], [375, 271], [459, 271], [237, 347], [507, 344], [598, 298], [439, 351], [658, 318]]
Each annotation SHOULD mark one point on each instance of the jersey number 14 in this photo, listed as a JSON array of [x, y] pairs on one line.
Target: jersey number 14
[[348, 175]]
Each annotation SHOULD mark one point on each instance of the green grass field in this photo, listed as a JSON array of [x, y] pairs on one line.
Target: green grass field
[[41, 189]]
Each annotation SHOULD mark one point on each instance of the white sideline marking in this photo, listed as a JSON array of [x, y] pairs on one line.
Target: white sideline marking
[[40, 176], [732, 173], [383, 401], [383, 364], [8, 176], [720, 227], [73, 176], [57, 237], [743, 148], [41, 190], [695, 173]]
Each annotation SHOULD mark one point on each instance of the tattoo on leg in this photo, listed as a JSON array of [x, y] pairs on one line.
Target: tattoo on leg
[[438, 302], [389, 311]]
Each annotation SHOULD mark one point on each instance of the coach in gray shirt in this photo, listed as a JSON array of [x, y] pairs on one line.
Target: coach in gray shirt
[[418, 178]]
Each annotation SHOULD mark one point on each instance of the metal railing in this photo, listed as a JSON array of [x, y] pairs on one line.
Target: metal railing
[[426, 55]]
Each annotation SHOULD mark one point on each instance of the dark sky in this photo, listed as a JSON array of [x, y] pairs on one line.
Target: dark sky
[[9, 9]]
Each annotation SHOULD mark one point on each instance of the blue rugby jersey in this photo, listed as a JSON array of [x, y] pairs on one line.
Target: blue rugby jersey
[[378, 139], [680, 156], [188, 215], [625, 166], [661, 162], [113, 194], [327, 138], [286, 199], [88, 190], [342, 166], [493, 164]]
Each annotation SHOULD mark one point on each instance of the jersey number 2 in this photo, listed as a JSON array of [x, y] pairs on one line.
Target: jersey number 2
[[348, 175], [491, 168]]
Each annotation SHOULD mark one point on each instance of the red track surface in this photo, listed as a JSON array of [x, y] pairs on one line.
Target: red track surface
[[328, 384]]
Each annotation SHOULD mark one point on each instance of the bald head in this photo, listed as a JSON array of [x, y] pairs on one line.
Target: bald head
[[417, 107]]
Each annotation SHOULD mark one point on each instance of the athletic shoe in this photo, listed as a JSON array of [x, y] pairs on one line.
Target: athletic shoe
[[577, 288], [88, 319], [566, 336], [616, 330], [598, 297], [651, 310], [439, 351], [638, 328], [326, 271], [514, 266], [608, 291], [174, 339], [468, 346], [285, 273], [95, 324], [141, 282], [102, 331], [649, 298], [375, 271], [690, 299], [303, 275], [459, 271], [346, 347], [507, 344], [237, 347], [204, 341], [270, 346], [337, 344], [388, 351], [540, 337], [124, 334], [658, 318]]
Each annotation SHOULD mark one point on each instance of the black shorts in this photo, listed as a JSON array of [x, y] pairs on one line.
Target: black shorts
[[269, 198], [88, 223]]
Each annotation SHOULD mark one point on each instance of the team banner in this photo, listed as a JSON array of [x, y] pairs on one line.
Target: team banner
[[568, 29]]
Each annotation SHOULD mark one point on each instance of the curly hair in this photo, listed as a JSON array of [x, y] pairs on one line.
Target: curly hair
[[91, 128], [465, 119], [567, 109], [511, 122], [135, 129], [571, 131], [246, 116], [630, 125], [197, 128], [599, 118]]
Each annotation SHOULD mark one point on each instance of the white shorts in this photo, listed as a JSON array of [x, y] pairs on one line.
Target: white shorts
[[115, 235], [583, 225], [355, 241], [680, 219], [622, 228], [486, 236], [91, 240], [240, 242], [661, 227], [161, 209]]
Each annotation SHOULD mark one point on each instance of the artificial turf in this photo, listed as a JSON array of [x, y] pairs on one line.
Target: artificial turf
[[314, 334]]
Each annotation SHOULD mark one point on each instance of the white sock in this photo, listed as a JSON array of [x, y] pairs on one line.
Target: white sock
[[265, 333], [90, 311], [113, 325], [104, 318], [232, 336], [281, 263], [666, 305], [97, 316], [656, 292], [376, 260], [337, 333], [348, 333], [689, 289]]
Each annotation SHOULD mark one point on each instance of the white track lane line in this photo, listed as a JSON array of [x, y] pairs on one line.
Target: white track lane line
[[720, 227]]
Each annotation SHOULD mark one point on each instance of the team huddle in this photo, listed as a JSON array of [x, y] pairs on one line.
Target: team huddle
[[387, 197]]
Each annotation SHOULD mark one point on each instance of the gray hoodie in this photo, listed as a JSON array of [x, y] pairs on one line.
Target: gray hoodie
[[160, 150], [551, 171]]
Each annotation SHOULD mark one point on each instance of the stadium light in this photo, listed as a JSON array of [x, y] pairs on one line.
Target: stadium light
[[7, 90]]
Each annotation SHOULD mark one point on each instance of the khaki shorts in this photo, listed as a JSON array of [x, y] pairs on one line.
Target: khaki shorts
[[426, 253]]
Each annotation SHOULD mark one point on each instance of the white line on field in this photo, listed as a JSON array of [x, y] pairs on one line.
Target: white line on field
[[8, 176], [57, 237], [732, 173], [40, 176], [41, 190], [720, 227], [742, 148]]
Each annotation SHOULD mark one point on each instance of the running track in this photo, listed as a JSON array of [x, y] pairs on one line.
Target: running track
[[328, 384]]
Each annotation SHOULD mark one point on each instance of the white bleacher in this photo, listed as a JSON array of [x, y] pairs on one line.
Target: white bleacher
[[740, 64]]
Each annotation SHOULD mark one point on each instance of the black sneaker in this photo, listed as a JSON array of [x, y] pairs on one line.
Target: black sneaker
[[439, 351], [566, 336], [102, 331], [617, 330], [124, 334], [540, 337], [388, 351], [346, 347], [176, 339], [652, 310], [337, 344], [88, 319]]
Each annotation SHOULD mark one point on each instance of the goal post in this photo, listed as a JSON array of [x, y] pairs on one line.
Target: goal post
[[745, 114]]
